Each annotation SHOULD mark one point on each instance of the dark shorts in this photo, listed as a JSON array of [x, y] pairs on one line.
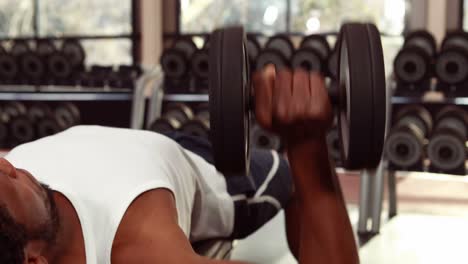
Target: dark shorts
[[255, 204]]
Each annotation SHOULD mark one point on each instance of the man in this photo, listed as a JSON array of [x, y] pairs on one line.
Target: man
[[124, 196]]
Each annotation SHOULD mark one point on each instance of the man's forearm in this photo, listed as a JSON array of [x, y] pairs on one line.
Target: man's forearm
[[318, 223]]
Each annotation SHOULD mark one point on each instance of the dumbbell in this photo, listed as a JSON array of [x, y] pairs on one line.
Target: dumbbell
[[413, 64], [174, 115], [100, 75], [20, 126], [253, 50], [59, 68], [175, 61], [451, 66], [199, 68], [361, 101], [199, 125], [45, 122], [312, 55], [278, 51], [67, 114], [9, 68], [75, 53], [124, 77], [406, 141], [447, 145], [19, 50]]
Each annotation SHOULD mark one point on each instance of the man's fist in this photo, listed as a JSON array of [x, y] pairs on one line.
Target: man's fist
[[292, 103]]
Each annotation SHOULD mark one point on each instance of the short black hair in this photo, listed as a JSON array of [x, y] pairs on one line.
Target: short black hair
[[13, 238]]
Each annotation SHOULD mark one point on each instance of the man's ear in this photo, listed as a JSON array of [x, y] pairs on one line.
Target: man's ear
[[33, 253]]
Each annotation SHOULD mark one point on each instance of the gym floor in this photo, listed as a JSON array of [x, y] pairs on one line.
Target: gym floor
[[431, 226]]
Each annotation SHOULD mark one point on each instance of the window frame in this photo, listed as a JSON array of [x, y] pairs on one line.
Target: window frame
[[134, 36]]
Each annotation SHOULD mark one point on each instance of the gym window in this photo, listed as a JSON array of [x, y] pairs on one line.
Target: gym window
[[106, 28], [297, 17]]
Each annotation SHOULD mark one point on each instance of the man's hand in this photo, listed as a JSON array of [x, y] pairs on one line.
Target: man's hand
[[293, 104]]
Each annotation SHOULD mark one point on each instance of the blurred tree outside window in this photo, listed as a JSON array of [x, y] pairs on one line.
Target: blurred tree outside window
[[105, 26]]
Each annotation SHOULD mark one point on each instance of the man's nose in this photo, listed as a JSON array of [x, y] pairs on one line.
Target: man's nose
[[7, 168]]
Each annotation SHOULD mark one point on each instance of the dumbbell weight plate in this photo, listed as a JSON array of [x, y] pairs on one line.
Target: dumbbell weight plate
[[421, 39], [362, 98], [457, 39], [411, 65], [446, 152], [403, 148], [199, 64], [179, 112], [308, 59], [165, 125], [415, 115], [8, 66], [271, 56], [229, 101], [19, 48], [260, 138], [45, 48], [74, 52], [13, 109], [59, 66], [281, 43], [22, 129], [318, 43], [39, 111], [174, 63], [186, 46], [67, 114], [32, 65], [452, 66], [196, 127], [48, 126]]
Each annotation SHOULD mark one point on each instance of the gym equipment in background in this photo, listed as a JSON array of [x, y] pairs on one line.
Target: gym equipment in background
[[447, 148], [413, 65], [172, 119], [278, 51], [312, 55], [199, 125]]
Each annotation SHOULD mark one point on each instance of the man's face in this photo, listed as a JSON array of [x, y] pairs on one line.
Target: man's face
[[23, 195]]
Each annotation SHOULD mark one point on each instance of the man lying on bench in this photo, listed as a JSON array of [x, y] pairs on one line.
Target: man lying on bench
[[100, 195]]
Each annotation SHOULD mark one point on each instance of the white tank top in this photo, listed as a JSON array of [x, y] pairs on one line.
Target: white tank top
[[102, 170]]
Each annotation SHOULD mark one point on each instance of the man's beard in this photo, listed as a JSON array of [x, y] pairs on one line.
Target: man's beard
[[48, 230]]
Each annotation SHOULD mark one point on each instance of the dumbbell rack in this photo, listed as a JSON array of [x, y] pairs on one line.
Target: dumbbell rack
[[372, 182], [74, 93]]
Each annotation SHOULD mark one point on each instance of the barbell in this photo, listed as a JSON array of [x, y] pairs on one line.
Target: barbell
[[360, 103]]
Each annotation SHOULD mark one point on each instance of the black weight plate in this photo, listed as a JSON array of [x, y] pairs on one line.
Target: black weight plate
[[318, 43], [281, 43], [67, 114], [271, 56], [59, 66], [45, 48], [454, 118], [307, 59], [14, 108], [355, 88], [452, 66], [417, 115], [446, 151], [411, 66], [404, 148], [22, 129], [19, 48], [165, 125], [174, 63], [8, 66], [186, 46], [49, 126], [179, 112], [200, 63], [196, 127], [74, 51], [421, 39], [38, 111], [229, 101], [457, 39], [379, 96], [32, 65]]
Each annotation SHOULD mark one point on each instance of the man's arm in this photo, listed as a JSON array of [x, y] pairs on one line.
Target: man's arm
[[149, 233], [295, 105]]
